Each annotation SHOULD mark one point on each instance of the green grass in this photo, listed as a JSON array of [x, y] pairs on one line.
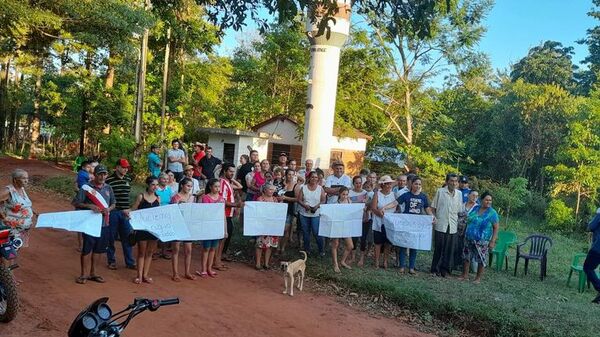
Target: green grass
[[502, 305], [66, 186]]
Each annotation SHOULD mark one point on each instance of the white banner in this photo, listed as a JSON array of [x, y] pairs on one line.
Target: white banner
[[204, 221], [409, 230], [341, 220], [88, 222], [264, 218], [165, 222]]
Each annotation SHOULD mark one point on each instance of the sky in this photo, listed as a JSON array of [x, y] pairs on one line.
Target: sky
[[513, 27]]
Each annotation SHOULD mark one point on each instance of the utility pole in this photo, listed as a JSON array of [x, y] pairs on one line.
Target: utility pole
[[141, 84], [163, 106]]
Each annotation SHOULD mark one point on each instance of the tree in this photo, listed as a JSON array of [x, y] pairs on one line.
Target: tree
[[548, 63]]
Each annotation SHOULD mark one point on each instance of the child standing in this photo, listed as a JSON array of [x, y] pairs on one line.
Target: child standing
[[266, 242], [348, 246], [212, 195]]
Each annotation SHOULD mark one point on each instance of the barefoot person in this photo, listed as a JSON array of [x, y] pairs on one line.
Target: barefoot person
[[348, 246], [97, 196], [481, 235], [209, 247], [184, 195], [146, 242], [266, 242], [15, 210]]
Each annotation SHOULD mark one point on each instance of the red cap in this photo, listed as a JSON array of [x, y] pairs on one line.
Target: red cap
[[123, 163]]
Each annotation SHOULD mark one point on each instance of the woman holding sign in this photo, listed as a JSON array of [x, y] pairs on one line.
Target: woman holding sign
[[146, 242], [183, 196], [310, 198], [266, 242], [381, 200], [212, 195], [343, 198]]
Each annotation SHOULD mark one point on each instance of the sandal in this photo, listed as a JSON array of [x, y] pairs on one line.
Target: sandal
[[137, 280], [96, 278], [202, 274], [221, 267], [81, 280], [148, 280], [190, 277], [212, 274], [112, 266], [176, 278]]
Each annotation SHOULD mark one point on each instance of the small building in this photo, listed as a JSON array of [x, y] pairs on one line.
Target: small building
[[280, 134]]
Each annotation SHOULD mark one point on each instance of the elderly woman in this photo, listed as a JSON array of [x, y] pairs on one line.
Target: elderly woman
[[480, 235], [16, 211]]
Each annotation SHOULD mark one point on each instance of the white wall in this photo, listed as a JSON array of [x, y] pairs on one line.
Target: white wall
[[216, 141], [345, 143], [284, 132]]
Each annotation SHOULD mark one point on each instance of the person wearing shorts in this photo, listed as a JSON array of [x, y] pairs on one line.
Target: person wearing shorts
[[97, 196]]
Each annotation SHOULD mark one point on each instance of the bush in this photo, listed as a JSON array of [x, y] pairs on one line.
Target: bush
[[559, 216]]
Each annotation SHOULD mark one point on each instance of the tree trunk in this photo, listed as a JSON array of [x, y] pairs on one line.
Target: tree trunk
[[36, 122], [407, 106], [4, 103], [109, 79], [163, 105], [85, 106], [578, 202], [13, 123]]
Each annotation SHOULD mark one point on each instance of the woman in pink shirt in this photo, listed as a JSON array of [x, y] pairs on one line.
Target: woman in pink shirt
[[209, 247]]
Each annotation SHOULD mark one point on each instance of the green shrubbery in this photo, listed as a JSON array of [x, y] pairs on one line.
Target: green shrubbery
[[559, 216]]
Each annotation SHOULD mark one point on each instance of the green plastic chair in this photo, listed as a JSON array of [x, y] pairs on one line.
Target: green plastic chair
[[505, 240], [577, 265]]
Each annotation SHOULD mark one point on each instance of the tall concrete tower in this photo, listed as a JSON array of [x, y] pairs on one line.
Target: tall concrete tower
[[322, 85]]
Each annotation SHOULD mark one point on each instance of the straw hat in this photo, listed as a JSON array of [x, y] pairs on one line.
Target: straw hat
[[386, 179]]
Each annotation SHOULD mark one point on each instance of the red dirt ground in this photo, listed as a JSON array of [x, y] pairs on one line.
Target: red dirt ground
[[240, 302]]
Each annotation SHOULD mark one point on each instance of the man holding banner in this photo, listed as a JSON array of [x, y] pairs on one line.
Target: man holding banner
[[97, 196]]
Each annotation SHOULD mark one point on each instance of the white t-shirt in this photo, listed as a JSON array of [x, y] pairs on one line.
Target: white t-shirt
[[358, 197], [382, 200], [332, 180], [177, 154], [311, 198]]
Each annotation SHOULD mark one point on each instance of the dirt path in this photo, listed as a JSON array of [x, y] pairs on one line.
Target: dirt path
[[240, 302]]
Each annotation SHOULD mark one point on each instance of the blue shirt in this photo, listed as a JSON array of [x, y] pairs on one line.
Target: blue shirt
[[465, 194], [83, 177], [481, 227], [594, 227], [413, 203], [154, 164], [164, 195]]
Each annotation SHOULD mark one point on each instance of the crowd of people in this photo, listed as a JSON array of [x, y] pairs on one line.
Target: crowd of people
[[465, 225]]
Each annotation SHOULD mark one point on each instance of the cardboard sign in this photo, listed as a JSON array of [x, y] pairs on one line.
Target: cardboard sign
[[341, 220], [409, 230], [264, 218], [164, 222], [85, 221], [204, 221]]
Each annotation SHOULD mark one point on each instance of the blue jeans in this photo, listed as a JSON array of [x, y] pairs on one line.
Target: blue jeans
[[589, 267], [311, 224], [412, 258], [119, 225]]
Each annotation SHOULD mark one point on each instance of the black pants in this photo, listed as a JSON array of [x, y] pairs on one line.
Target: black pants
[[589, 267], [178, 176], [443, 252], [229, 234]]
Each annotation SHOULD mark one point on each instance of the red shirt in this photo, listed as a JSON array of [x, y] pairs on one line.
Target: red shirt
[[197, 157], [227, 194]]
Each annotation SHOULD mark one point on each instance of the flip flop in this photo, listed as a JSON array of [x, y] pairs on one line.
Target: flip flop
[[112, 266], [96, 278], [190, 277], [137, 280], [81, 280], [176, 278], [202, 274], [213, 274], [148, 280]]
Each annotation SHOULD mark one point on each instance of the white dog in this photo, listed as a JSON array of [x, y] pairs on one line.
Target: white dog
[[292, 270]]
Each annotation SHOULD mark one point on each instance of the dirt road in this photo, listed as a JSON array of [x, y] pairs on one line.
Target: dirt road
[[239, 302]]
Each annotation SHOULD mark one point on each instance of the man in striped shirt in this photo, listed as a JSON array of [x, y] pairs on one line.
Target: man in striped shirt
[[227, 191], [119, 222]]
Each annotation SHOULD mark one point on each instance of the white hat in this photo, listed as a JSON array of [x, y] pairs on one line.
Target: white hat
[[386, 179]]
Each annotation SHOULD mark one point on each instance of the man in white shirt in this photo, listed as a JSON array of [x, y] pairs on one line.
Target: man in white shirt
[[176, 159], [308, 168], [335, 181]]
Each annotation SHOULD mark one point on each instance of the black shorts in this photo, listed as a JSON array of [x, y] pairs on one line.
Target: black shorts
[[96, 245], [380, 238]]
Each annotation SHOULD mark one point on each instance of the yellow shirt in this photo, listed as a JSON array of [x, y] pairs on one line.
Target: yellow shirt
[[446, 207]]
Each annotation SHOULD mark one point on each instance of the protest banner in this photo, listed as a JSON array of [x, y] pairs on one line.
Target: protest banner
[[341, 220], [409, 230], [84, 221], [164, 222], [204, 221], [264, 218]]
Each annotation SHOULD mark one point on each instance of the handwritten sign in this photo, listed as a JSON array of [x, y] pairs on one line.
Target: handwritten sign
[[409, 230], [264, 218], [204, 221], [85, 221], [165, 222], [341, 220]]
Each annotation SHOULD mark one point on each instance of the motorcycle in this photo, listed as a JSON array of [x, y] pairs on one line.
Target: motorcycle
[[98, 320], [9, 299]]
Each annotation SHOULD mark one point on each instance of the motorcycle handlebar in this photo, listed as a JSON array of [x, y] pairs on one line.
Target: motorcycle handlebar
[[169, 301]]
